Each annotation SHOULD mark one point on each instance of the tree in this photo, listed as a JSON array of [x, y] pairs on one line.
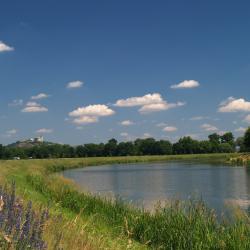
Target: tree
[[110, 147], [226, 148], [1, 151], [240, 144], [215, 138], [247, 139], [228, 138], [165, 147], [206, 147], [125, 149], [186, 145]]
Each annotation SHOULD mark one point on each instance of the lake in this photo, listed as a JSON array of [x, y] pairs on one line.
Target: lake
[[146, 184]]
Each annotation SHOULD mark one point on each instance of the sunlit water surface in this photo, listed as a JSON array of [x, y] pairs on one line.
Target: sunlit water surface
[[146, 184]]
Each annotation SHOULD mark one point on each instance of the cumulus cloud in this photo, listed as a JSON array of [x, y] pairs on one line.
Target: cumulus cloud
[[93, 110], [155, 107], [90, 114], [149, 103], [39, 96], [247, 119], [17, 102], [74, 84], [33, 107], [4, 47], [187, 84], [209, 127], [234, 105], [140, 101], [85, 120], [169, 129], [44, 131], [127, 123]]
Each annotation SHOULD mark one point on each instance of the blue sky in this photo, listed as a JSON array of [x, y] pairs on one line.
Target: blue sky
[[70, 69]]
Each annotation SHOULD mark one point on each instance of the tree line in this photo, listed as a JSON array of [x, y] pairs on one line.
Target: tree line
[[186, 145]]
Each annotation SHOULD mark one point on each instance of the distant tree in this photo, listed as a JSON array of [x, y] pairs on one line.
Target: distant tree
[[186, 145], [215, 138], [93, 150], [165, 147], [247, 140], [240, 144], [228, 138], [125, 149], [110, 147], [205, 147], [147, 146], [1, 151], [80, 151], [226, 148]]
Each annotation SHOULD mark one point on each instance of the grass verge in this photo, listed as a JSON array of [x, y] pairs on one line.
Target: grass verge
[[87, 222]]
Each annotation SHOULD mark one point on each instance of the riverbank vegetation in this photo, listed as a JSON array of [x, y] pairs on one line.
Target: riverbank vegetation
[[225, 143], [88, 222]]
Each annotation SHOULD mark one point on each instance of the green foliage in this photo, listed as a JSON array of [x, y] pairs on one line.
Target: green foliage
[[180, 225], [214, 138], [247, 140], [148, 146]]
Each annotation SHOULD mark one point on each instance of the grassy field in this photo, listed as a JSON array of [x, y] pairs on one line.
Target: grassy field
[[81, 221]]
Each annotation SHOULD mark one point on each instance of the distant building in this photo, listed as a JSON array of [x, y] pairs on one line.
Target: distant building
[[38, 139], [28, 143]]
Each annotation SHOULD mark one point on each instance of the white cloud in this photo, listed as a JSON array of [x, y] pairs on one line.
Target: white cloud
[[169, 129], [155, 107], [44, 131], [33, 107], [247, 119], [209, 127], [198, 118], [39, 96], [234, 105], [127, 123], [140, 101], [90, 114], [149, 103], [5, 48], [74, 84], [240, 130], [187, 84], [92, 110], [82, 120], [17, 102]]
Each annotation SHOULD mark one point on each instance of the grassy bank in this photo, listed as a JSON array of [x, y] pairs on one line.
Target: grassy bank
[[242, 159], [81, 221]]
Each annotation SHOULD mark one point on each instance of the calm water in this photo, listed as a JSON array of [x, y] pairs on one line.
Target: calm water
[[145, 184]]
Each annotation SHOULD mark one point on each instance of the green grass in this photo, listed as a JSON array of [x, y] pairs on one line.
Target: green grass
[[89, 222]]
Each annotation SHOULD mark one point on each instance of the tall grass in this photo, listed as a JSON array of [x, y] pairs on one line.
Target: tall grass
[[81, 221], [189, 225], [242, 159]]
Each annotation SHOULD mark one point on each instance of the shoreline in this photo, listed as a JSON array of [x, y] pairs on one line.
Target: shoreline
[[35, 181]]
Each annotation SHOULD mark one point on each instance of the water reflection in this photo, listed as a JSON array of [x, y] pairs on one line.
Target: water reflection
[[145, 184]]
